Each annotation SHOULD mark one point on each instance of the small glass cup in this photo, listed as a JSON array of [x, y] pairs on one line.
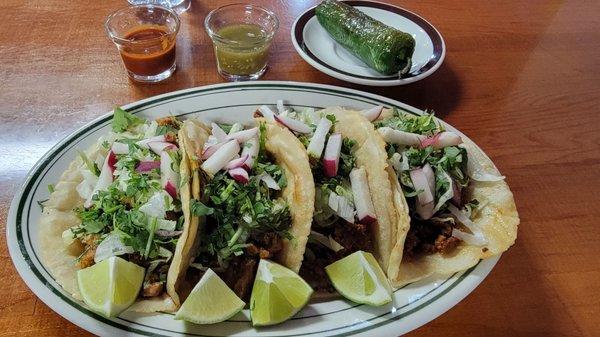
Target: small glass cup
[[179, 6], [242, 35], [145, 36]]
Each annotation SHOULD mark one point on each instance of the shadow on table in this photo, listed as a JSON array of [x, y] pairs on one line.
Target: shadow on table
[[440, 92]]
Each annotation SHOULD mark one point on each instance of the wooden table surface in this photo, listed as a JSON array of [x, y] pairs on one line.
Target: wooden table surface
[[521, 78]]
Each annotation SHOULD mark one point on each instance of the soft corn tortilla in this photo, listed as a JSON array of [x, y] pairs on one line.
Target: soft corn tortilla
[[58, 216], [370, 153], [497, 217], [299, 193]]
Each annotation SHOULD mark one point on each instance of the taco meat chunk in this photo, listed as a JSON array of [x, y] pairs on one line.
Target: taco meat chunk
[[428, 237], [351, 236]]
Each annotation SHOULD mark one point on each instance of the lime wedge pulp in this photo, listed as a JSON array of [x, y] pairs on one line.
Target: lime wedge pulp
[[110, 286], [211, 301], [359, 278], [277, 295]]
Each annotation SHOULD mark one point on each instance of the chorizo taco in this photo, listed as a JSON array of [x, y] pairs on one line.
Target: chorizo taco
[[125, 196], [252, 195], [353, 200], [457, 207]]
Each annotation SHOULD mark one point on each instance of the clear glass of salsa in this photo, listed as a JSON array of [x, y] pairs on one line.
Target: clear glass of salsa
[[242, 35], [145, 36]]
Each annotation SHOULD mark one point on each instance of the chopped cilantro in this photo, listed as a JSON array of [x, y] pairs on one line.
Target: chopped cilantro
[[123, 120], [91, 166]]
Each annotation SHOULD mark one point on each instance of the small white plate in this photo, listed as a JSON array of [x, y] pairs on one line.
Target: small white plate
[[413, 305], [316, 47]]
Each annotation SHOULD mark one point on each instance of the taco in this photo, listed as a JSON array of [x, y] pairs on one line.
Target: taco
[[353, 200], [254, 201], [126, 196], [457, 207]]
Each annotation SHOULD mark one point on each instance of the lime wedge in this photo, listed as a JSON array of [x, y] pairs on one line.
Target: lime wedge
[[277, 295], [210, 301], [111, 286], [359, 278]]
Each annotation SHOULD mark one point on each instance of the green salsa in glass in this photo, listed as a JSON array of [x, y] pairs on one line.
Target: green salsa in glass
[[242, 49]]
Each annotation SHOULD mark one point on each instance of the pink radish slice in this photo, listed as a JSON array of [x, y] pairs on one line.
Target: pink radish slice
[[441, 140], [269, 181], [169, 179], [119, 148], [401, 137], [236, 162], [244, 135], [428, 171], [239, 174], [293, 124], [171, 189], [147, 166], [106, 176], [158, 147], [210, 150], [372, 113], [250, 149], [111, 161], [317, 142], [266, 112], [219, 133], [425, 198], [221, 157], [144, 142], [331, 158], [362, 196]]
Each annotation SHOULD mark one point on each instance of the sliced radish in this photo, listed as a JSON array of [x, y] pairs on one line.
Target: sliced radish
[[362, 196], [236, 127], [171, 189], [331, 158], [317, 142], [221, 157], [144, 142], [159, 147], [244, 135], [401, 137], [425, 196], [292, 124], [218, 132], [372, 113], [269, 181], [428, 171], [147, 166], [240, 175], [266, 112], [235, 163], [119, 148], [250, 149], [441, 140], [106, 176], [169, 179], [211, 149], [111, 160]]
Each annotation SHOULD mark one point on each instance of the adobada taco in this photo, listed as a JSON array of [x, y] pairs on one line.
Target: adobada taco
[[460, 209], [126, 197], [254, 201], [353, 204]]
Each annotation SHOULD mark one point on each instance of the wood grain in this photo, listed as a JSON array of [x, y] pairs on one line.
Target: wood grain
[[522, 79]]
